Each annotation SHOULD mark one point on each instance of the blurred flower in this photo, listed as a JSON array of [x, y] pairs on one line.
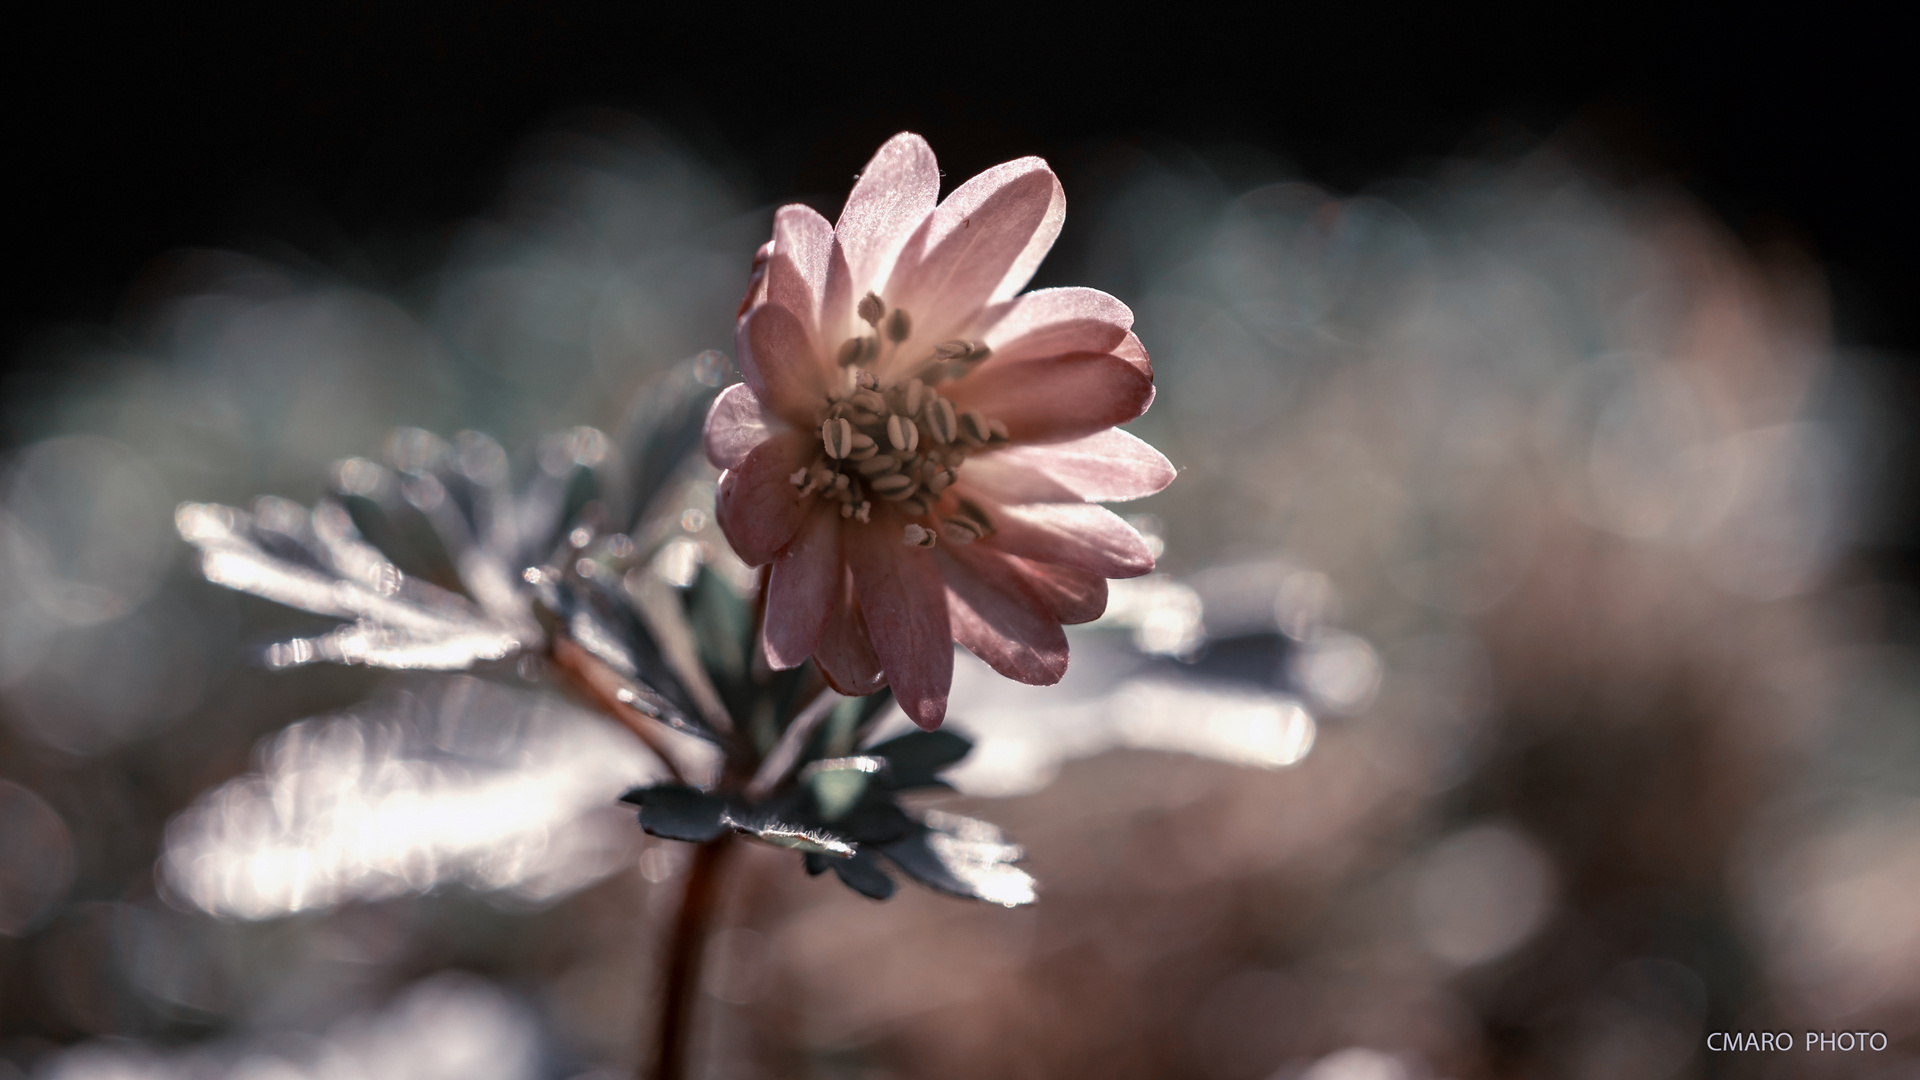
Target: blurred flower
[[882, 353]]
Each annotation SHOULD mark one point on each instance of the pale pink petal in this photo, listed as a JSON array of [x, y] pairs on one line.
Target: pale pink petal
[[905, 603], [1073, 596], [757, 505], [1005, 479], [1056, 399], [756, 280], [778, 360], [797, 273], [1107, 466], [895, 193], [1135, 353], [998, 617], [736, 424], [804, 589], [837, 320], [845, 652], [979, 246], [1052, 322], [1078, 535]]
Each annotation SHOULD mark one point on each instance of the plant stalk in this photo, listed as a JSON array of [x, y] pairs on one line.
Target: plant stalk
[[699, 903]]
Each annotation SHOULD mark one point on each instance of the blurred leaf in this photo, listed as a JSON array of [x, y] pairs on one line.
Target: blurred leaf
[[851, 717], [679, 813], [597, 616], [963, 856], [781, 831], [664, 425], [840, 783], [722, 623], [317, 562], [875, 819], [917, 757], [863, 874]]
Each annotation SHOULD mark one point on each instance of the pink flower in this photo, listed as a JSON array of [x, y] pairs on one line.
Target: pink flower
[[915, 449]]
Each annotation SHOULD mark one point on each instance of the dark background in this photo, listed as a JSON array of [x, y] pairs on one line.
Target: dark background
[[342, 125]]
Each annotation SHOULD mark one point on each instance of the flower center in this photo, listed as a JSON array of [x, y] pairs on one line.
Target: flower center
[[900, 442]]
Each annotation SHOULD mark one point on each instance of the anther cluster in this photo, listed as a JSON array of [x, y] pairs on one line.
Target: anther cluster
[[901, 442]]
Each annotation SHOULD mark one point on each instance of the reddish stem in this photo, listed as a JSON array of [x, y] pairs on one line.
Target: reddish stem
[[602, 685], [673, 1041]]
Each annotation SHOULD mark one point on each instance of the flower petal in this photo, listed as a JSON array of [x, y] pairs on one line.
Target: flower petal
[[778, 360], [756, 503], [1073, 596], [895, 193], [845, 651], [1055, 399], [1107, 466], [797, 272], [1083, 536], [736, 424], [1135, 353], [804, 589], [980, 245], [998, 617], [1051, 322], [905, 603], [1036, 518], [756, 280]]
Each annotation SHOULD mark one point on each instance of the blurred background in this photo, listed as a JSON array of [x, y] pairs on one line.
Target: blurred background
[[1530, 687]]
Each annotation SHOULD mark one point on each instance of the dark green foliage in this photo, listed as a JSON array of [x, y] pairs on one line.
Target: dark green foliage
[[916, 757], [679, 813]]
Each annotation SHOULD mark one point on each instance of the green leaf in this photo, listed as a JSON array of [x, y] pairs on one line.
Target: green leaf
[[722, 623], [679, 813], [793, 835], [918, 756], [663, 426], [965, 857], [862, 873], [835, 791]]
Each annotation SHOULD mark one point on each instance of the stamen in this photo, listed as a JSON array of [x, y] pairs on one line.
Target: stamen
[[899, 326], [940, 481], [864, 379], [866, 508], [879, 463], [961, 531], [942, 424], [858, 349], [913, 395], [893, 486], [916, 504], [952, 350], [863, 447], [870, 309], [810, 480], [975, 427], [867, 400], [916, 536], [838, 435], [902, 433], [975, 517], [999, 431]]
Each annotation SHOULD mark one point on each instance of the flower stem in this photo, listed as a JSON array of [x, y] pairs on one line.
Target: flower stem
[[673, 1038], [617, 697]]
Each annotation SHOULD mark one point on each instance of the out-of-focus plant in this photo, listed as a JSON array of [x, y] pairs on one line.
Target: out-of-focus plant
[[760, 700]]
